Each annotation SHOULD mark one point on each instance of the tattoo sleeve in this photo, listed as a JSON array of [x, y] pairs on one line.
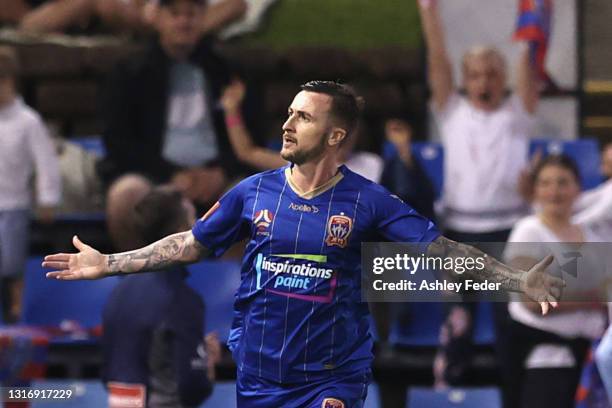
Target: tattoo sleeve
[[493, 270], [181, 248]]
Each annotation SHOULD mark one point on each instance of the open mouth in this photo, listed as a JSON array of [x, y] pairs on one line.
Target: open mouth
[[485, 97], [288, 140]]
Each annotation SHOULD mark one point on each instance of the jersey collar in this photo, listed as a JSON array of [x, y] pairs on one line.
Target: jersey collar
[[317, 191]]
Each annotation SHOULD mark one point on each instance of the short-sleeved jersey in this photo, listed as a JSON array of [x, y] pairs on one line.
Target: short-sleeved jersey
[[298, 310]]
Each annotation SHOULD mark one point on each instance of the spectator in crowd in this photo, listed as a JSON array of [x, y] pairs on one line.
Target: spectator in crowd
[[544, 360], [26, 150], [595, 206], [368, 165], [219, 13], [41, 16], [485, 138], [153, 335], [592, 206], [161, 115], [403, 175]]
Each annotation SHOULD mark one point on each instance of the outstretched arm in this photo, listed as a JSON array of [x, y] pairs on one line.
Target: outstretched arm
[[89, 263], [242, 143], [439, 66], [527, 85], [535, 283]]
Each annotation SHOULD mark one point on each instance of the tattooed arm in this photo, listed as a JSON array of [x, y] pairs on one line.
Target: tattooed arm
[[535, 283], [88, 263]]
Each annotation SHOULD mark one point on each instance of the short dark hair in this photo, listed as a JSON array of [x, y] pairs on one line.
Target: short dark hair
[[346, 105], [558, 160], [160, 213]]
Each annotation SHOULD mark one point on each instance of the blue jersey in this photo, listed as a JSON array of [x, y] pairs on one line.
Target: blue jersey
[[298, 310]]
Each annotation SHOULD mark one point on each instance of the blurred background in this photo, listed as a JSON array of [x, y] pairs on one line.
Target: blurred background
[[73, 75]]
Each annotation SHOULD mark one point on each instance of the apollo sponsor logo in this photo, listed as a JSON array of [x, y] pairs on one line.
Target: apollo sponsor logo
[[311, 209]]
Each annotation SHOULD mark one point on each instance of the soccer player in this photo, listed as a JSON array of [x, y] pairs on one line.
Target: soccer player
[[301, 333]]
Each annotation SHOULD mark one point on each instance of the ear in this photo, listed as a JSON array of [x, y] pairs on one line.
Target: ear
[[337, 135]]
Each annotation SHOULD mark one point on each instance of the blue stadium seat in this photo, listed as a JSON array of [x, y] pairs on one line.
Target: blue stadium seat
[[425, 318], [373, 399], [422, 327], [584, 151], [484, 328], [48, 302], [90, 394], [454, 398], [216, 281], [93, 144], [431, 158]]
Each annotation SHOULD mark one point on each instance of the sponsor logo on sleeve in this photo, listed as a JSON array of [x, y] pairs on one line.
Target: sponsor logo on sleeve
[[263, 219]]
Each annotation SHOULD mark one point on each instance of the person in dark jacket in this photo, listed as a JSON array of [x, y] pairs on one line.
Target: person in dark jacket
[[162, 117], [153, 335]]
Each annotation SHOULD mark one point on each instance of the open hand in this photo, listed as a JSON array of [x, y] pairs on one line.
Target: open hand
[[541, 286], [88, 263], [232, 96]]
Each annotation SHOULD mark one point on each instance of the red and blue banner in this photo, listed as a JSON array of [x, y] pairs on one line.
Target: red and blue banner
[[534, 26]]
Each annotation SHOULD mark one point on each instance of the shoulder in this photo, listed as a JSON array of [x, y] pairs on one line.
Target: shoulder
[[29, 116], [139, 60], [515, 105], [527, 229], [370, 193], [456, 101]]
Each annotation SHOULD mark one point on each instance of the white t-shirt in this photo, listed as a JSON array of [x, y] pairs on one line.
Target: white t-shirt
[[594, 207], [366, 164], [190, 139], [26, 149], [484, 155], [578, 323]]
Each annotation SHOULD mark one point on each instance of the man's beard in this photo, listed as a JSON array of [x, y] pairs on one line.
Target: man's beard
[[300, 157]]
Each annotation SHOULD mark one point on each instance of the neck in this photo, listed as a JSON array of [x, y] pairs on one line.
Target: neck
[[556, 221], [5, 102], [177, 53], [311, 175]]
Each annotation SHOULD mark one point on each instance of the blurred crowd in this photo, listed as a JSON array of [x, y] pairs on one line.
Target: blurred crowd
[[180, 127]]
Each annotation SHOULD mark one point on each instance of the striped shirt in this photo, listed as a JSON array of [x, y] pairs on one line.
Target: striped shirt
[[298, 310]]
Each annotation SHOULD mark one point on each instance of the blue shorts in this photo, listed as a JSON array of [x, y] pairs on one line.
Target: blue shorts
[[339, 391]]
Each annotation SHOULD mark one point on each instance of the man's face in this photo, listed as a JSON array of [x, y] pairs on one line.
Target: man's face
[[606, 161], [484, 81], [306, 130], [178, 23]]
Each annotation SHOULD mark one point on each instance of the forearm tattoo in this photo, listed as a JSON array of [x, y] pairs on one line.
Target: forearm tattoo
[[493, 270], [174, 249]]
